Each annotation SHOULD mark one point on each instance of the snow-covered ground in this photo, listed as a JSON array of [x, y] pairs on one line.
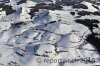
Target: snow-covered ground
[[34, 34]]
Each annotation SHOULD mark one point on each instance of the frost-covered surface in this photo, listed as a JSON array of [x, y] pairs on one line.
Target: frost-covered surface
[[34, 30]]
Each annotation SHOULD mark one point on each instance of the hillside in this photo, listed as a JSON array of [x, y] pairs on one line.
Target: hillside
[[34, 30]]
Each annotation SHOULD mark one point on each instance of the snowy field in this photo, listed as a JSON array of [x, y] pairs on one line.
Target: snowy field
[[49, 33]]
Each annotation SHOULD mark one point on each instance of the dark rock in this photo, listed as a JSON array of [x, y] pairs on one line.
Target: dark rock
[[8, 9], [17, 24], [90, 23], [83, 13], [94, 41], [72, 13], [95, 7], [80, 6], [21, 1]]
